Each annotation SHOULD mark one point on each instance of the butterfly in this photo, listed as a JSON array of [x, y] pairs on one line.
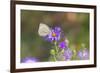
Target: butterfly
[[43, 30]]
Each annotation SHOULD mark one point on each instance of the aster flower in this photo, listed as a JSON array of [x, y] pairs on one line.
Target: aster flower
[[54, 35], [29, 60], [68, 54], [62, 45], [83, 54]]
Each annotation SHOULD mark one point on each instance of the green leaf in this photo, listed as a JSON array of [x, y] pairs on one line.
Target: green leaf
[[52, 52]]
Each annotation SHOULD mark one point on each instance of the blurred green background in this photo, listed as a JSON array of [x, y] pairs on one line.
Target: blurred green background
[[74, 25]]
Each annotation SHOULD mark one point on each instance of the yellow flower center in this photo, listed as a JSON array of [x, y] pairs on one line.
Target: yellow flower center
[[54, 34]]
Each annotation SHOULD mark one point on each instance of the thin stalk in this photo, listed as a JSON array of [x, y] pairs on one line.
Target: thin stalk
[[56, 48], [54, 58]]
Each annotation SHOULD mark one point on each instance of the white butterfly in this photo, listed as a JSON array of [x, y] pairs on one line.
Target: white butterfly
[[43, 30]]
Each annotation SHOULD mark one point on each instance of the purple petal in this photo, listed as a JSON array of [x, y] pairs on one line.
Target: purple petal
[[68, 54], [57, 29], [29, 60], [62, 45], [83, 54]]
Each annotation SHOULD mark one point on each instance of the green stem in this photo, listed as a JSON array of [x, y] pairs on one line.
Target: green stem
[[56, 48], [54, 58]]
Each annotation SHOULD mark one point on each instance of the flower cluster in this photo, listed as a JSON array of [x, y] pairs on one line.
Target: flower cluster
[[61, 51], [83, 54]]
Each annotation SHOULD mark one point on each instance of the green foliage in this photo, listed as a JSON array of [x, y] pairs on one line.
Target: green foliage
[[52, 52]]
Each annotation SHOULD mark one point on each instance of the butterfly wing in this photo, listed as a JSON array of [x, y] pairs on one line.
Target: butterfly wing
[[43, 30]]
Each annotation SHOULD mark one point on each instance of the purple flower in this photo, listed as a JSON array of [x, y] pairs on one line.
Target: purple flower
[[29, 60], [83, 54], [68, 54], [54, 34], [62, 45], [57, 29]]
